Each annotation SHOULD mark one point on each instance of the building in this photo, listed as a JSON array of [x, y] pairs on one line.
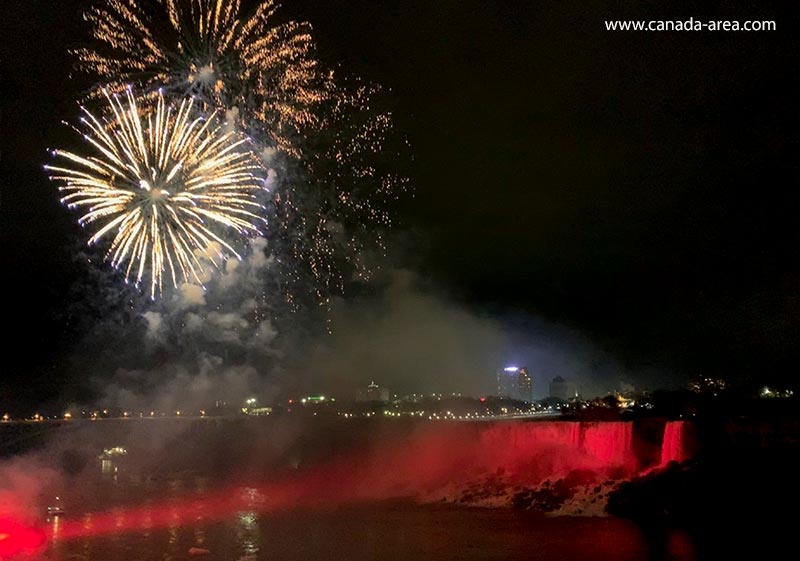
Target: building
[[260, 411], [373, 392], [707, 385], [515, 383], [561, 389]]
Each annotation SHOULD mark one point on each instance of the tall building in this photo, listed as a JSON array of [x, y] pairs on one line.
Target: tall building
[[562, 389], [515, 383], [373, 392]]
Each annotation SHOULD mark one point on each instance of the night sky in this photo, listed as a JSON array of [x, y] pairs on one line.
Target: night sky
[[638, 187]]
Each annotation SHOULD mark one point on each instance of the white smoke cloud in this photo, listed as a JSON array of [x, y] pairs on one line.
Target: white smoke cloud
[[258, 257], [231, 118], [225, 327], [272, 178], [267, 153], [191, 295], [248, 305], [213, 333], [193, 323], [266, 332], [205, 74], [412, 338], [154, 322], [189, 388]]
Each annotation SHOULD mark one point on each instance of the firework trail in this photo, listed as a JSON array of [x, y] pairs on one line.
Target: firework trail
[[335, 226], [323, 140], [164, 188], [228, 60]]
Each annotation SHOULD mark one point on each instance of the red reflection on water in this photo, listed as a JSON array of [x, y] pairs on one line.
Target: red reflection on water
[[424, 461], [680, 546], [17, 537], [179, 511]]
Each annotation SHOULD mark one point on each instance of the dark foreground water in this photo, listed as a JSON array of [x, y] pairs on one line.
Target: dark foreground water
[[380, 532], [387, 530]]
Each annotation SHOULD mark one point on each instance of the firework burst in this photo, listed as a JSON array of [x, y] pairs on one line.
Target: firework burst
[[325, 139], [163, 188], [210, 49]]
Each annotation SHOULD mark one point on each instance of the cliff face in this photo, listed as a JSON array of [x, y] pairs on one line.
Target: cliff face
[[735, 499]]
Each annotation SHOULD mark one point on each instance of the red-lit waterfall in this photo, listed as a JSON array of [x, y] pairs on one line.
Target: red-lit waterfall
[[547, 449], [672, 446], [424, 460]]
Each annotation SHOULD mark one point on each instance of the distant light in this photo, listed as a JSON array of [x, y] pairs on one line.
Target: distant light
[[510, 369]]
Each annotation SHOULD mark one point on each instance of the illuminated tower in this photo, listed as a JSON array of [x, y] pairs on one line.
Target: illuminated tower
[[515, 382], [373, 392]]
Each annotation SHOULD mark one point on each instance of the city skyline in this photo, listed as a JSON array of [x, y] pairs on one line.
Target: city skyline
[[615, 207]]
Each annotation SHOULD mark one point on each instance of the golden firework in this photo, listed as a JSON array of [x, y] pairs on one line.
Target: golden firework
[[163, 187], [265, 74]]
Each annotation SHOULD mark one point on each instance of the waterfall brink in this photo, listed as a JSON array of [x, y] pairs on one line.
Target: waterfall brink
[[672, 448], [611, 443], [548, 449], [492, 459]]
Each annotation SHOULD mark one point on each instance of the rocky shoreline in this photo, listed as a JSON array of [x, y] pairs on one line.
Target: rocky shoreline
[[579, 493]]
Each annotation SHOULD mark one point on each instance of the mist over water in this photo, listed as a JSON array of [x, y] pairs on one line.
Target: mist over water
[[223, 343], [228, 485], [411, 336]]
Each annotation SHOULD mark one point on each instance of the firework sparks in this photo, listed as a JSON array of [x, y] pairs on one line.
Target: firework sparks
[[162, 187], [334, 228], [330, 202], [210, 49]]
